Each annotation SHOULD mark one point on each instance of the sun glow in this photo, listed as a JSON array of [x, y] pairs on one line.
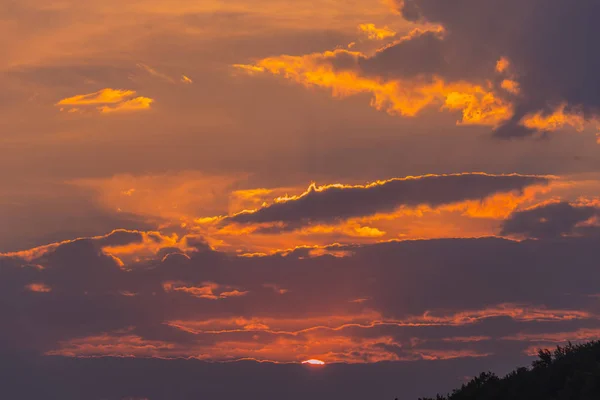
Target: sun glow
[[313, 362]]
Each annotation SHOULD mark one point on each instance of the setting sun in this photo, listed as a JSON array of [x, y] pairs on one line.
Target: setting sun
[[313, 362]]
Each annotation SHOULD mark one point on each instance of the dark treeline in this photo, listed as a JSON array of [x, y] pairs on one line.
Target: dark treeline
[[567, 373]]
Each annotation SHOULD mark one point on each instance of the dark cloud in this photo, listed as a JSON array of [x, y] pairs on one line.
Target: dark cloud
[[552, 220], [422, 55], [428, 292], [120, 237], [57, 213], [549, 44], [482, 302], [333, 203]]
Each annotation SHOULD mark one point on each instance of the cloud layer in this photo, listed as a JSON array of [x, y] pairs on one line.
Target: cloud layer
[[554, 220], [338, 202], [157, 233], [536, 78], [182, 299]]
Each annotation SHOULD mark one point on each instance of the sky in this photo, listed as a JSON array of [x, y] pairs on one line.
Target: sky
[[195, 193]]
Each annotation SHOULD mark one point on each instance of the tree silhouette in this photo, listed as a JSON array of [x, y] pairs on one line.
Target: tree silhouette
[[568, 373]]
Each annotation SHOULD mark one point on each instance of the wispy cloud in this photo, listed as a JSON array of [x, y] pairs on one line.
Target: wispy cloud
[[156, 73], [136, 104], [107, 101], [104, 96]]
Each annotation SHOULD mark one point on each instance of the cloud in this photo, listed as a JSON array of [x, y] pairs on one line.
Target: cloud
[[536, 79], [104, 96], [118, 244], [220, 307], [375, 33], [208, 290], [155, 73], [38, 288], [551, 120], [167, 78], [176, 198], [475, 217], [341, 71], [338, 202], [136, 104], [43, 211], [502, 65], [108, 101], [512, 87], [554, 220], [433, 310], [250, 69], [548, 65]]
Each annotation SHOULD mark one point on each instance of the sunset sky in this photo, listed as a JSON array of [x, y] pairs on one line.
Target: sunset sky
[[210, 191]]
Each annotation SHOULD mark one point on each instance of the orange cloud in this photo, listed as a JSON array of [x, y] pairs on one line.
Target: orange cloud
[[281, 325], [331, 338], [318, 252], [249, 69], [500, 205], [313, 193], [104, 96], [554, 121], [173, 197], [38, 252], [34, 253], [478, 103], [105, 344], [170, 201], [147, 248], [281, 349], [350, 229], [38, 288], [478, 106], [207, 291], [111, 100], [461, 218], [406, 97], [502, 65], [511, 86], [249, 199], [516, 312], [135, 246], [370, 319], [139, 103], [375, 33]]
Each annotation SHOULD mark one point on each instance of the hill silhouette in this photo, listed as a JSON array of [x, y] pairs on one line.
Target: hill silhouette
[[567, 373]]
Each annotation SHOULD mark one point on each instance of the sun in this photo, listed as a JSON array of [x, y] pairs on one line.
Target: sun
[[313, 362]]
